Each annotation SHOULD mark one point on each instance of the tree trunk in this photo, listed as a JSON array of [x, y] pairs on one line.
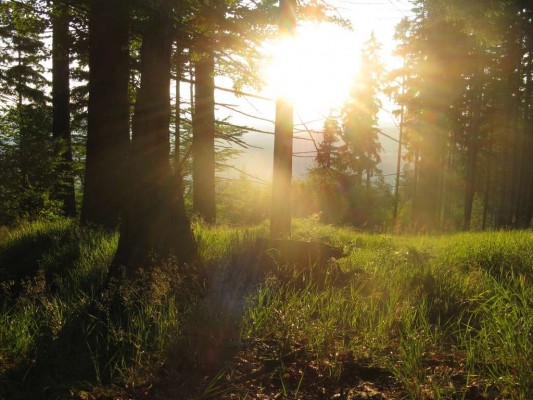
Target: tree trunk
[[414, 193], [529, 180], [177, 121], [108, 137], [486, 197], [472, 152], [64, 189], [528, 160], [155, 223], [450, 185], [429, 174], [280, 220], [525, 154], [398, 168], [203, 150]]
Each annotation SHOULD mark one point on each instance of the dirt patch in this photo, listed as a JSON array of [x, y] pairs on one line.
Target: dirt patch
[[261, 373]]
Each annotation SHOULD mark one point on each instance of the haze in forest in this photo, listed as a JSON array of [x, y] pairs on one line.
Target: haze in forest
[[239, 199]]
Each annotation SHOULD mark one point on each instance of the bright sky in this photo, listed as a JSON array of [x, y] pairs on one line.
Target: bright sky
[[326, 59]]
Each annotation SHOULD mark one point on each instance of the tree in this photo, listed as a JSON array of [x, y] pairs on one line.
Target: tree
[[27, 164], [203, 173], [280, 220], [223, 40], [155, 223], [26, 153], [64, 191], [331, 196], [359, 115], [326, 149], [108, 136], [23, 51], [464, 60]]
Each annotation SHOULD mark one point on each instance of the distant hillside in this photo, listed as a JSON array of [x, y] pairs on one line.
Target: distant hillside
[[258, 159]]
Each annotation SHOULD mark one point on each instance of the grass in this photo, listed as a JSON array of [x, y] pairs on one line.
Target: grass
[[422, 317], [448, 316]]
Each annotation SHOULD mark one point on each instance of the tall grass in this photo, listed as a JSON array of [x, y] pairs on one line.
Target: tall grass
[[448, 316], [60, 322]]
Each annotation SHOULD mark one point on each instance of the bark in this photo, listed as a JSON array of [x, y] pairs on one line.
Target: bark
[[488, 177], [523, 183], [528, 172], [449, 182], [108, 137], [155, 223], [529, 181], [414, 195], [177, 116], [398, 169], [511, 65], [203, 168], [472, 153], [430, 166], [442, 181], [64, 189], [280, 222]]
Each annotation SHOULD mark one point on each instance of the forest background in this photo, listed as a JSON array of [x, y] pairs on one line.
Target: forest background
[[464, 112]]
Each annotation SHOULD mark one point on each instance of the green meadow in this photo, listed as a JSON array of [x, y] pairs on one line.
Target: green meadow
[[415, 317]]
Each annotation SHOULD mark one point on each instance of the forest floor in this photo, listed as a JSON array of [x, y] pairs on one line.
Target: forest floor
[[424, 317]]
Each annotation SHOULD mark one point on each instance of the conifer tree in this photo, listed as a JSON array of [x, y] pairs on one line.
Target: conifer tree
[[108, 136], [61, 130], [155, 223], [280, 220], [360, 115]]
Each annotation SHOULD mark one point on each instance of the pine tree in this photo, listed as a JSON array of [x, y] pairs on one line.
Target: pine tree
[[280, 220], [27, 159], [360, 131], [61, 131], [155, 223], [108, 136], [23, 51]]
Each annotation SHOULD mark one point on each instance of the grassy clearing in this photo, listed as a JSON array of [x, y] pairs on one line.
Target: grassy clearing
[[442, 317], [449, 316]]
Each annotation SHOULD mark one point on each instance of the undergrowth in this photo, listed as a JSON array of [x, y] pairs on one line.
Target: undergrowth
[[65, 329], [448, 317]]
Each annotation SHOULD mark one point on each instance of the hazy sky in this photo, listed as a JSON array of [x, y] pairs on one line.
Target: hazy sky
[[327, 61]]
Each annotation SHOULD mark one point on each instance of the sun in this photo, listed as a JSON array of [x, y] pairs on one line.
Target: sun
[[314, 69]]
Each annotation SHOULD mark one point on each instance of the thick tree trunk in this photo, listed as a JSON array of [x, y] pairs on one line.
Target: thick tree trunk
[[108, 137], [280, 220], [203, 150], [64, 190], [155, 223]]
